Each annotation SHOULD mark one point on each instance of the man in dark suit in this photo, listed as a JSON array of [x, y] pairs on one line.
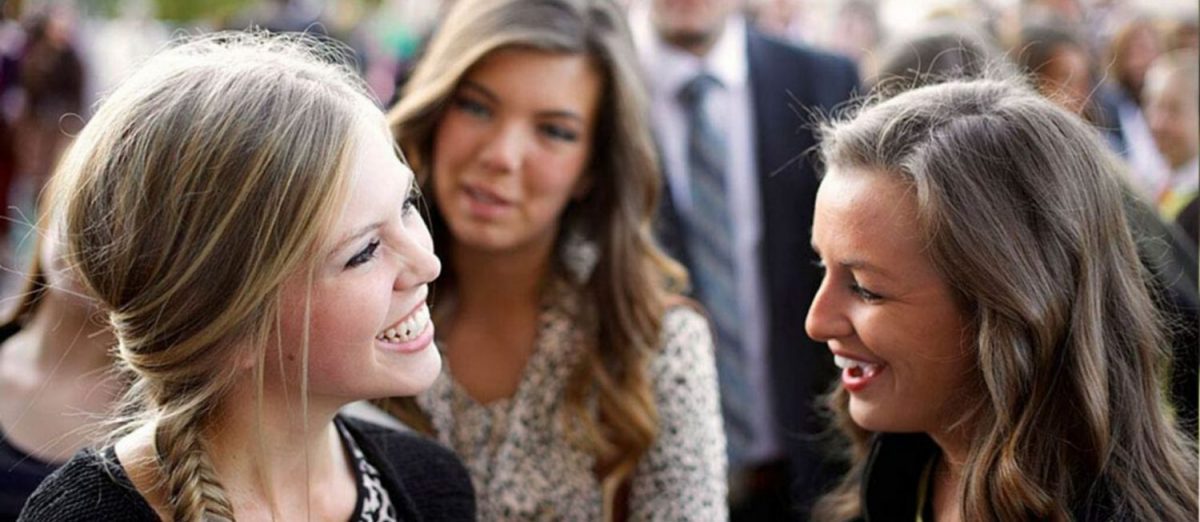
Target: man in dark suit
[[733, 114]]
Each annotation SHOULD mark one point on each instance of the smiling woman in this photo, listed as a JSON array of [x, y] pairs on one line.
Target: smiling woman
[[1001, 356], [259, 273]]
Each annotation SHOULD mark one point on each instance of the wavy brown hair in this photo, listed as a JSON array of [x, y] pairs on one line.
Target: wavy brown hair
[[203, 182], [632, 280], [1020, 205]]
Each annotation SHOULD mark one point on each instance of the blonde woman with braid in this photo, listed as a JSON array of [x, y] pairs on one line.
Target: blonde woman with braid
[[1001, 356], [578, 386], [238, 208]]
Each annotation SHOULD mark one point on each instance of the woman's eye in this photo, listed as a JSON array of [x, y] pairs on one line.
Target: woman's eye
[[364, 255], [864, 294], [559, 132], [471, 107], [414, 198]]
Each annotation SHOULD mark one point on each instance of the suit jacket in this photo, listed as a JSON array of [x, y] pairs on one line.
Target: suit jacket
[[791, 88]]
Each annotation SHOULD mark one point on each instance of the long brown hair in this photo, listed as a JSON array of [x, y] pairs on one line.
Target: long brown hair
[[1020, 204], [632, 278], [201, 184]]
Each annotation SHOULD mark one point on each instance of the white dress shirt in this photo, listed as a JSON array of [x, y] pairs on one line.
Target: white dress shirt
[[1147, 169]]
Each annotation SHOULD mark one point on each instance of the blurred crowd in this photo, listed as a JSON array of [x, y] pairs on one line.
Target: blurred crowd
[[1115, 62], [1094, 56]]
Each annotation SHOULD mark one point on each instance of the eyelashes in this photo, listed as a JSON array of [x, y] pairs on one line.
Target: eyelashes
[[410, 203], [857, 289], [364, 255], [471, 107], [559, 132], [480, 110], [368, 253], [864, 294]]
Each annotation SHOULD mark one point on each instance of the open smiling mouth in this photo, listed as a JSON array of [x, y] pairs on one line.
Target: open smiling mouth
[[408, 330], [856, 374]]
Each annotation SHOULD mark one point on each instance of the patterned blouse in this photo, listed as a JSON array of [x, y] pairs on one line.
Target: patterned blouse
[[374, 503], [517, 450]]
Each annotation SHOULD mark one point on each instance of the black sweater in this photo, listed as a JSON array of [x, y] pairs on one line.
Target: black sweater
[[892, 479], [424, 480]]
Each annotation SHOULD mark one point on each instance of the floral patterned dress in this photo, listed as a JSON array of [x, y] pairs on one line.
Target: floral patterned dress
[[518, 453]]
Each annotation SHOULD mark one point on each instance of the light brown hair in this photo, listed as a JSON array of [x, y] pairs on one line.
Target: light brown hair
[[203, 182], [1020, 205], [632, 278]]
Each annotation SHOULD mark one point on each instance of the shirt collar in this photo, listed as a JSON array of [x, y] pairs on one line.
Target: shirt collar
[[668, 68]]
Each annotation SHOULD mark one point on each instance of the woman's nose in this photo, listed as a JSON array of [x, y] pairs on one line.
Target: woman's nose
[[826, 320], [420, 265], [505, 149]]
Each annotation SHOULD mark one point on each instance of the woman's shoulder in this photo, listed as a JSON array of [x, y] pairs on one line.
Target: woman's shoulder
[[90, 486], [685, 363], [685, 328], [429, 473]]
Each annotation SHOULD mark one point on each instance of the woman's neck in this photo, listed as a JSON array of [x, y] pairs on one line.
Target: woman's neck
[[62, 335], [277, 457], [276, 462], [947, 476], [488, 281]]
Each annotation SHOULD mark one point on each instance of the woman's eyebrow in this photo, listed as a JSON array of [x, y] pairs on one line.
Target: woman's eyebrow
[[357, 233], [480, 90]]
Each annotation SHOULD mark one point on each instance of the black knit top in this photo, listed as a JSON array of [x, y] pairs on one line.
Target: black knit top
[[423, 480]]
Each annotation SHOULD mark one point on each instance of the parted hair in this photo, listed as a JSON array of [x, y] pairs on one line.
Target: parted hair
[[1020, 206], [202, 182], [632, 279]]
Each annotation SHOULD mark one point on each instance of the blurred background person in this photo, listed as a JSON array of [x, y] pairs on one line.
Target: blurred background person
[[578, 383], [1184, 33], [784, 19], [1170, 96], [935, 52], [1134, 46], [1062, 70], [11, 41], [52, 81], [857, 31], [732, 110]]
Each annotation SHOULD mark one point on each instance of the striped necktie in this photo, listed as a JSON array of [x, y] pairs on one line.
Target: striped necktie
[[709, 228]]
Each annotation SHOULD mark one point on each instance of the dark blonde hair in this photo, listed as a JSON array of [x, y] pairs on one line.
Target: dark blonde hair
[[203, 182], [631, 280], [1020, 205]]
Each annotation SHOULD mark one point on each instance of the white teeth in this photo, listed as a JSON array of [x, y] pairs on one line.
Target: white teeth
[[846, 362], [484, 197], [410, 329], [842, 362]]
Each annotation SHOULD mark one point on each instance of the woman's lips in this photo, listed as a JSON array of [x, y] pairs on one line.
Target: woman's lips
[[411, 334], [857, 374], [484, 203]]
